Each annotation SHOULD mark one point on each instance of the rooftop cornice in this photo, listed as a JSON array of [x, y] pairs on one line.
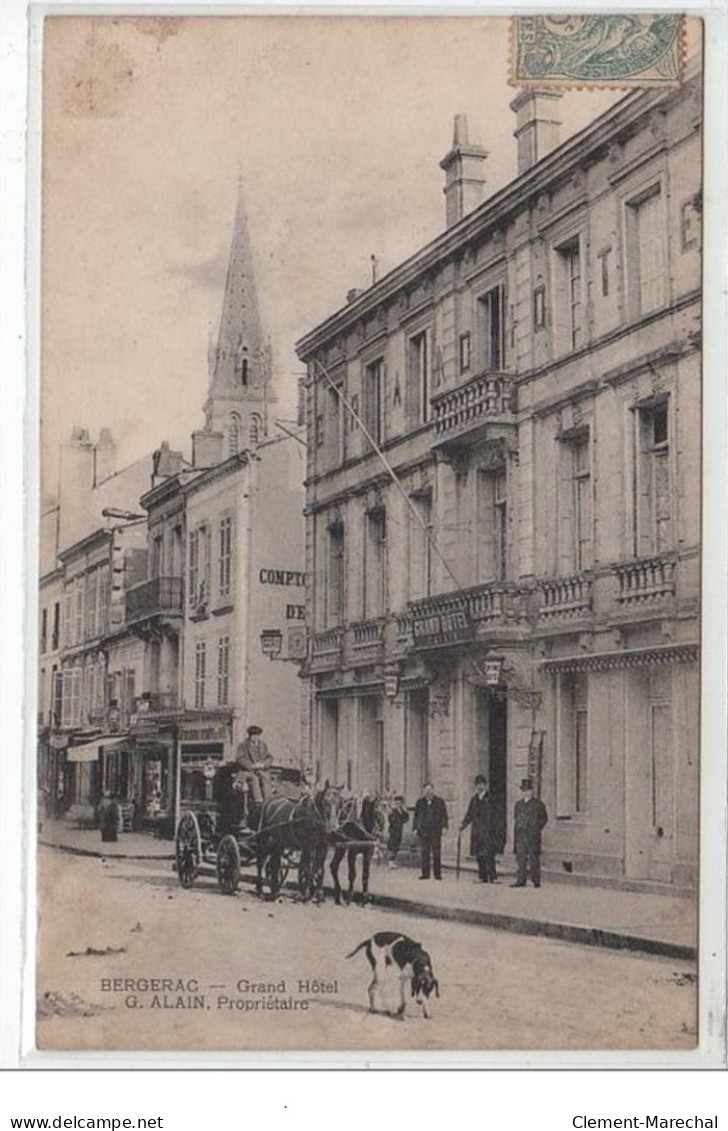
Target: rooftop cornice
[[211, 474], [96, 538], [579, 149]]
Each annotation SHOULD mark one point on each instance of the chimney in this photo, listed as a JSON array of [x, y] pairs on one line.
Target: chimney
[[207, 448], [104, 456], [537, 131], [464, 177], [75, 486]]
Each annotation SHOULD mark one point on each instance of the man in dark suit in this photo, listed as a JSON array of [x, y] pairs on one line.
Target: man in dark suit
[[482, 832], [429, 823], [529, 819]]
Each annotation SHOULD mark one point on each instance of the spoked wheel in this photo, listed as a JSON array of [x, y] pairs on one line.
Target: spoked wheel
[[228, 865], [188, 849]]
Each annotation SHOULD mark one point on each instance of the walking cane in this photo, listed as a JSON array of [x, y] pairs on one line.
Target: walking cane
[[457, 861]]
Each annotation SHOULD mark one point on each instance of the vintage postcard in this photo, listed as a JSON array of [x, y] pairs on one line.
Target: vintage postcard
[[370, 533]]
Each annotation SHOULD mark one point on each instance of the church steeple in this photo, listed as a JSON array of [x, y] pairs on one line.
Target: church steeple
[[240, 363]]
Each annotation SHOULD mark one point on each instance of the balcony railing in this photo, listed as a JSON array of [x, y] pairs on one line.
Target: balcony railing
[[646, 581], [326, 649], [450, 618], [157, 702], [565, 596], [486, 398], [162, 596], [366, 641]]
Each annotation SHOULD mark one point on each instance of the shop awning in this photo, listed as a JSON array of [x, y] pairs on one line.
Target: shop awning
[[89, 752]]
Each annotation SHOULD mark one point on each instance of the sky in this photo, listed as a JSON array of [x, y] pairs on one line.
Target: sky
[[334, 125]]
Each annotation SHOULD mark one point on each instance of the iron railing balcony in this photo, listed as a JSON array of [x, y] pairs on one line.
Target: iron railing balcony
[[159, 597], [474, 407]]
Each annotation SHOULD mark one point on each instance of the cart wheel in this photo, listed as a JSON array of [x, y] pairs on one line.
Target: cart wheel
[[188, 849], [228, 865]]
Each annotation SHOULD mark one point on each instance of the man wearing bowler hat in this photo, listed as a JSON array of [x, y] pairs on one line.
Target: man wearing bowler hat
[[530, 817], [254, 757]]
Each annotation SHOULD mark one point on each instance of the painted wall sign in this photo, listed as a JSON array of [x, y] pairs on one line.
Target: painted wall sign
[[282, 577]]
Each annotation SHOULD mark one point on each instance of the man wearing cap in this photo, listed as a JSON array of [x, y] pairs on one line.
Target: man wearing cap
[[529, 819], [482, 839], [254, 757]]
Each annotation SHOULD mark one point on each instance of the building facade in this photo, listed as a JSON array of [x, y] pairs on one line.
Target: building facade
[[503, 495]]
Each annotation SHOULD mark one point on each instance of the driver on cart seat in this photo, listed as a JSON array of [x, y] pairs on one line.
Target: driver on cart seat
[[255, 759]]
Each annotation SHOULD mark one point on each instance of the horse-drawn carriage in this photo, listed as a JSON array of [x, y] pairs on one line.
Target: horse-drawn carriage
[[292, 828], [227, 831]]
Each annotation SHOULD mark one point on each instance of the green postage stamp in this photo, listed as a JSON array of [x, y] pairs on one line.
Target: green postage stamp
[[601, 50]]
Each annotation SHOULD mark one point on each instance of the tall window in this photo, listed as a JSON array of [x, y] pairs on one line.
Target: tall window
[[200, 673], [44, 631], [92, 591], [104, 599], [374, 399], [78, 602], [573, 745], [491, 525], [255, 429], [192, 568], [57, 692], [157, 569], [234, 434], [334, 425], [71, 691], [223, 670], [420, 546], [56, 635], [374, 573], [646, 252], [653, 503], [198, 567], [225, 557], [418, 364], [581, 485], [492, 321], [335, 576], [569, 314]]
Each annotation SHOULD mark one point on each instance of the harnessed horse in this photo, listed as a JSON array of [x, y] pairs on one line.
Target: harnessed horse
[[302, 826], [359, 831]]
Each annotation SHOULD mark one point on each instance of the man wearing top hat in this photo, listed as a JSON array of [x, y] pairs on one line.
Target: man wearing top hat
[[530, 817], [482, 833], [254, 758]]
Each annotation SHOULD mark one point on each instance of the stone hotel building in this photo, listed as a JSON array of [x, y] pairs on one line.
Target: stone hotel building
[[503, 494]]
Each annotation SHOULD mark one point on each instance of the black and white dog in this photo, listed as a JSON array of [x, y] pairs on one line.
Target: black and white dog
[[391, 953]]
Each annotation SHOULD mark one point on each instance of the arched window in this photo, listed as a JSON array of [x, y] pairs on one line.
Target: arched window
[[234, 434], [255, 425]]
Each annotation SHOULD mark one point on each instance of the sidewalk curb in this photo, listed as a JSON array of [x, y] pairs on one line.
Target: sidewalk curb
[[500, 921], [564, 932], [496, 920], [100, 854]]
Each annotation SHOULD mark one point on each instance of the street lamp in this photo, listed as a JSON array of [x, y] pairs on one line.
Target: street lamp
[[125, 516], [271, 645]]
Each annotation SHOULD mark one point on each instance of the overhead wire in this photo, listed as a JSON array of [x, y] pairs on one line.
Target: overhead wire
[[391, 472]]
